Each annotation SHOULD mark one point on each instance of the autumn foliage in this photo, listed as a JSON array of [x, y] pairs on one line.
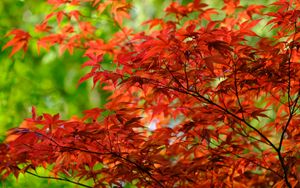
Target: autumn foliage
[[196, 101]]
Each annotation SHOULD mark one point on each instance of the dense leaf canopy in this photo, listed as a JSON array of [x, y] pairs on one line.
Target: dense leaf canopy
[[198, 97]]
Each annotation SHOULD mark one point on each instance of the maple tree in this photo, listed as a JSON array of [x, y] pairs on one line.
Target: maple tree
[[194, 102]]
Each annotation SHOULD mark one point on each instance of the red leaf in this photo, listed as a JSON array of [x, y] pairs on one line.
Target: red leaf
[[19, 41], [92, 113]]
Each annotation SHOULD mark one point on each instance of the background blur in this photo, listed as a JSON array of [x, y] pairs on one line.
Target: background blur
[[49, 81]]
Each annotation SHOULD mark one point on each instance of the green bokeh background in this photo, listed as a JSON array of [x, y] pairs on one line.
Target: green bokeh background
[[49, 81]]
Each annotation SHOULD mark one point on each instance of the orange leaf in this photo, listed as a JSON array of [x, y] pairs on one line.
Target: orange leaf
[[19, 41]]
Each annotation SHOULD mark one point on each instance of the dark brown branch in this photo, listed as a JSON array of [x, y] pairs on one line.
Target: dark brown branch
[[291, 106], [138, 166], [60, 179], [249, 160], [204, 99]]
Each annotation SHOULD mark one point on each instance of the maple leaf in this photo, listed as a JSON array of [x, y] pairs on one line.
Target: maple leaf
[[48, 41], [120, 11], [19, 41], [86, 28], [93, 113], [230, 6], [43, 27]]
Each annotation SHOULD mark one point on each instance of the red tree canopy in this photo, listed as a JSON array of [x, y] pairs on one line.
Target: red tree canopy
[[195, 101]]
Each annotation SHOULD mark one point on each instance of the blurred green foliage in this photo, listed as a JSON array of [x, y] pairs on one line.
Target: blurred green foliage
[[47, 81]]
